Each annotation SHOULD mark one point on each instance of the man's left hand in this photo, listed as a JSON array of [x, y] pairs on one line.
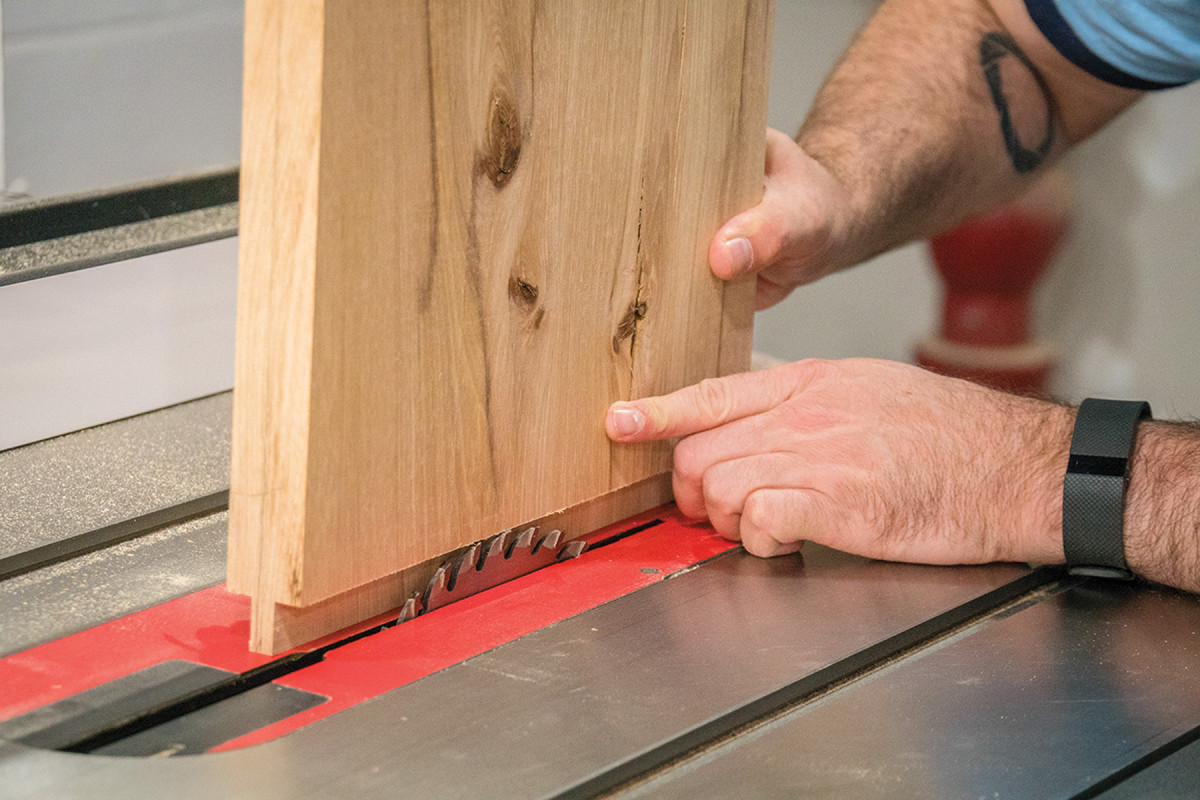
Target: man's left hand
[[877, 458]]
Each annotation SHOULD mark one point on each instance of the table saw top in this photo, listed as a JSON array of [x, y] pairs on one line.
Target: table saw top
[[669, 663]]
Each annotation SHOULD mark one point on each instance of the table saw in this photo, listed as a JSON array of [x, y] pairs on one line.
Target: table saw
[[662, 662]]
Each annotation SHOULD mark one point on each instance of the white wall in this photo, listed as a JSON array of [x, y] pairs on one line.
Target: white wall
[[1124, 297], [106, 92], [101, 93]]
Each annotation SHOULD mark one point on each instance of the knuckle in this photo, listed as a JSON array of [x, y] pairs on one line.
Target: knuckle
[[809, 370], [758, 517], [719, 501], [714, 399], [689, 466], [773, 236], [759, 543], [657, 415], [755, 547], [687, 499]]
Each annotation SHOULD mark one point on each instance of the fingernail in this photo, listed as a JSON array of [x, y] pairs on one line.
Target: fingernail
[[627, 421], [741, 254]]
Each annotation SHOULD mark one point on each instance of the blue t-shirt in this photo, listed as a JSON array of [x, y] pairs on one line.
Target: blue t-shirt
[[1139, 44]]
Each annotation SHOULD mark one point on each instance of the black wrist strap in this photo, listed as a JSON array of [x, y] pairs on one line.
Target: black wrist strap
[[1094, 488]]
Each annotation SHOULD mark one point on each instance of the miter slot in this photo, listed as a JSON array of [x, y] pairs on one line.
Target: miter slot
[[175, 705], [1008, 597], [214, 725], [1092, 668], [1171, 771], [60, 725], [81, 544], [171, 707]]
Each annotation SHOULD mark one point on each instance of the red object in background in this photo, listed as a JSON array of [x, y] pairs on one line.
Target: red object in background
[[989, 266]]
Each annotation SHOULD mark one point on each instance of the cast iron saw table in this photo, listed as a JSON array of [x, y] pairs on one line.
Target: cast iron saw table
[[668, 663]]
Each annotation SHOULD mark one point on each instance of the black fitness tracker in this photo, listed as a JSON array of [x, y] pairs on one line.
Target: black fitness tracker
[[1094, 487]]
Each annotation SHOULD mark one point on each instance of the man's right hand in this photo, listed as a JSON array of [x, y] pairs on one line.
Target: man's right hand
[[798, 233]]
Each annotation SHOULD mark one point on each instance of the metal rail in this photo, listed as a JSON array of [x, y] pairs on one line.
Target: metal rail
[[108, 535], [63, 234]]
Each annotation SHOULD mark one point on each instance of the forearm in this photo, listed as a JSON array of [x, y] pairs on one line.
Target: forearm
[[1162, 507], [1162, 502], [939, 111]]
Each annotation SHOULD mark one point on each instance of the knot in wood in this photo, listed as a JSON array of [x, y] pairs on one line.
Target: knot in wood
[[502, 146], [628, 324], [522, 292]]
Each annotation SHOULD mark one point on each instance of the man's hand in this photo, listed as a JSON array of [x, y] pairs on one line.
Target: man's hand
[[795, 235], [872, 457], [914, 131]]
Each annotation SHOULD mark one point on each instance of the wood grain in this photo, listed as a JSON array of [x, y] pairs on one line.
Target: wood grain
[[467, 228]]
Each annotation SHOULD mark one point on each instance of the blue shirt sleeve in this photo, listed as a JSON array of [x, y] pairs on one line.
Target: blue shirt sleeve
[[1139, 44]]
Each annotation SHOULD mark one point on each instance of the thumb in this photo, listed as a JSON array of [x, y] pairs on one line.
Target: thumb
[[749, 242], [752, 240]]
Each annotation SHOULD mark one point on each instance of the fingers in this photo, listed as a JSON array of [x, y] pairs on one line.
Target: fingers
[[731, 254], [740, 464], [712, 402], [803, 228], [764, 501], [774, 521], [720, 492], [769, 520]]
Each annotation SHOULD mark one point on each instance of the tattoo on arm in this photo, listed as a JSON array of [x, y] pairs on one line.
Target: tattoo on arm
[[993, 49]]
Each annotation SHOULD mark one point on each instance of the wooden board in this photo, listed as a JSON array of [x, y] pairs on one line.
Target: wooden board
[[467, 228]]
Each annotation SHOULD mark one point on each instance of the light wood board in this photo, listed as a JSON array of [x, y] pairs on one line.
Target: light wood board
[[467, 228]]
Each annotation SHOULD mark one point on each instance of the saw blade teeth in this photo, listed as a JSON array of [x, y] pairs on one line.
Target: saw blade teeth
[[411, 608], [469, 560], [437, 584], [549, 541], [492, 548], [572, 549], [524, 539], [480, 568]]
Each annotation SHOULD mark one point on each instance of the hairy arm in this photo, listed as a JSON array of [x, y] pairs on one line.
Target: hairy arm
[[1162, 506], [940, 109]]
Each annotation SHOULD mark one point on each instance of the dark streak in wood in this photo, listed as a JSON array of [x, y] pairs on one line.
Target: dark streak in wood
[[425, 290], [628, 327], [475, 281]]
